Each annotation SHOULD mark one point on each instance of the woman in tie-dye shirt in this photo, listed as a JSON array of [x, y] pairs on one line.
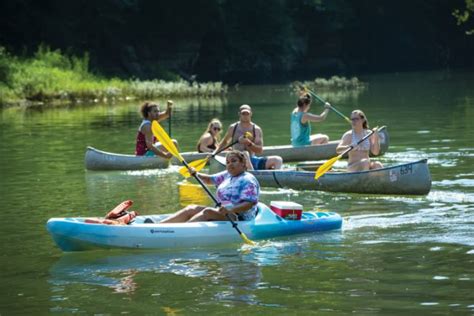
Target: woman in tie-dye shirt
[[237, 191]]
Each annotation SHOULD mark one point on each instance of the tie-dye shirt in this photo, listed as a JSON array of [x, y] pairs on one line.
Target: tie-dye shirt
[[235, 190]]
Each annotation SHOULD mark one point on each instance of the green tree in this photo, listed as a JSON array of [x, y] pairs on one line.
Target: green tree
[[464, 16]]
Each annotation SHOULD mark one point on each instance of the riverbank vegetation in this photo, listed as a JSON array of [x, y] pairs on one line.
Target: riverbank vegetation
[[51, 76], [335, 82]]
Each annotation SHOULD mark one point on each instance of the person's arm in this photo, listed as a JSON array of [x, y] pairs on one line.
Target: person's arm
[[344, 143], [204, 142], [310, 117], [207, 179], [149, 143], [375, 143], [164, 115], [255, 145], [225, 140]]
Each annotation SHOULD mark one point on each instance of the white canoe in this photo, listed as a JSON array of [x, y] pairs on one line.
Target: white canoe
[[101, 160], [73, 234]]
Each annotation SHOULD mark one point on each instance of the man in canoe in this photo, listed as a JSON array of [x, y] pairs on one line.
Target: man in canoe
[[301, 123], [359, 159], [252, 145], [237, 190], [146, 144]]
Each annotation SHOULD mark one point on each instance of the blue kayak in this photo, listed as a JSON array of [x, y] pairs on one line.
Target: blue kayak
[[75, 234]]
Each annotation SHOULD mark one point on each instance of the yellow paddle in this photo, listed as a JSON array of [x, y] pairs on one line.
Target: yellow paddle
[[324, 102], [325, 167], [166, 141], [199, 164]]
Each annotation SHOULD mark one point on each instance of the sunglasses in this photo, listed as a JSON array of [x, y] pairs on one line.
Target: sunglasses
[[356, 119], [216, 128]]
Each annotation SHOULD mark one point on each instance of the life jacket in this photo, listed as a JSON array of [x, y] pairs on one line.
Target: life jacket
[[118, 216], [119, 210]]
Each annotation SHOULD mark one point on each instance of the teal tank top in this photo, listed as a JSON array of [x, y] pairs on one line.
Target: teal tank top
[[300, 133]]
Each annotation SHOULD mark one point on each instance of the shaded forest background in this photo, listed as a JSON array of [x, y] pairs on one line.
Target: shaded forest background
[[247, 41]]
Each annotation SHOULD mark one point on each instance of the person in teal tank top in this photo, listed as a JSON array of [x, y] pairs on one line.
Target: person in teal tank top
[[301, 123]]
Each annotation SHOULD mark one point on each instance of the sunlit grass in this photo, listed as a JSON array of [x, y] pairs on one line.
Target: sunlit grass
[[52, 77], [335, 82]]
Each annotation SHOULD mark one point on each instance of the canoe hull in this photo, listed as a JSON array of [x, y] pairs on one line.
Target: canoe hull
[[72, 234], [406, 179], [317, 152], [101, 160]]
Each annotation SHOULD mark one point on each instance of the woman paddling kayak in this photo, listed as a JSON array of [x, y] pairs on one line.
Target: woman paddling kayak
[[237, 190]]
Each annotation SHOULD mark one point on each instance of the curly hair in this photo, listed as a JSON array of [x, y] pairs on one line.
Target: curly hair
[[146, 108]]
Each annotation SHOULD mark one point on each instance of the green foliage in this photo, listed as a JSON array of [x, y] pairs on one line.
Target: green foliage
[[463, 17], [53, 76], [335, 82]]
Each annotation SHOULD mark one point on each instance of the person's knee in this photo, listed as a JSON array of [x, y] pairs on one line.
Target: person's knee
[[191, 209], [376, 165], [208, 213], [274, 162]]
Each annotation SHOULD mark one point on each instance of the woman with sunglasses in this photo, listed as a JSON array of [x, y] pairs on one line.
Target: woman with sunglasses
[[210, 138], [359, 156]]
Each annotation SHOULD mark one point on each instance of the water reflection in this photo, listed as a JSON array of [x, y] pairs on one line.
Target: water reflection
[[231, 274], [152, 190], [190, 193]]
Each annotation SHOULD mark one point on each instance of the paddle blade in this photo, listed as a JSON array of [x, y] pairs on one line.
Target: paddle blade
[[325, 167], [246, 240], [196, 164], [165, 140]]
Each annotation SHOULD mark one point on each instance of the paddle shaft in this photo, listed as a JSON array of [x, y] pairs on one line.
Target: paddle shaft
[[330, 106], [225, 147], [169, 124]]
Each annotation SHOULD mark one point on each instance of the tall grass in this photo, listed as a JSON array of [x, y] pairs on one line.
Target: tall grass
[[50, 76], [333, 83]]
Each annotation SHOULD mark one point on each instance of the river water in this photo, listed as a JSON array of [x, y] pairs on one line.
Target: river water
[[395, 254]]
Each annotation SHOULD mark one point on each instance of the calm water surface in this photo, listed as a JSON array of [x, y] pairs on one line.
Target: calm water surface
[[394, 255]]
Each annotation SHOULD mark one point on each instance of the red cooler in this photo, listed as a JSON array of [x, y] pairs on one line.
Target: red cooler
[[287, 210]]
